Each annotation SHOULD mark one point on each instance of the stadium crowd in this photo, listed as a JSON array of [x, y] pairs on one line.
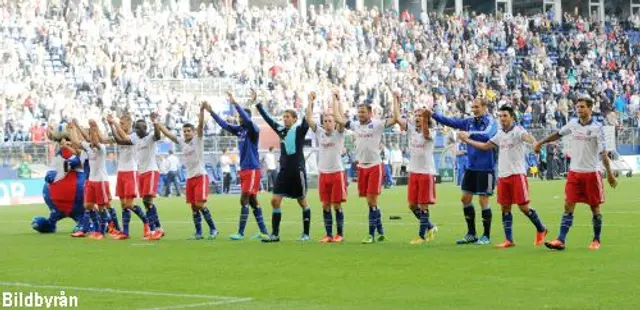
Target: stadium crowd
[[98, 61]]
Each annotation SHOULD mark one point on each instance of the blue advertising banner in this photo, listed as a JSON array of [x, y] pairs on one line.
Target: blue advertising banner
[[14, 192]]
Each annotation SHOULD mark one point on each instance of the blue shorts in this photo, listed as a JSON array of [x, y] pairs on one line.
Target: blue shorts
[[479, 182]]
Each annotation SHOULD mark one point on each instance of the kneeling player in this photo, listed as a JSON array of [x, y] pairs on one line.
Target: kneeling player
[[422, 187], [197, 178], [332, 180], [512, 178], [584, 182]]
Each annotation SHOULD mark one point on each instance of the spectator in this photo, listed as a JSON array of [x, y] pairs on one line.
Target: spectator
[[270, 164], [173, 169], [396, 160], [225, 167]]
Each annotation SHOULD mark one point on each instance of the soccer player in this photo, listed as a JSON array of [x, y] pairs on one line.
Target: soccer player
[[332, 179], [584, 182], [370, 169], [479, 177], [422, 171], [145, 146], [291, 181], [96, 192], [127, 179], [248, 134], [513, 187], [197, 189]]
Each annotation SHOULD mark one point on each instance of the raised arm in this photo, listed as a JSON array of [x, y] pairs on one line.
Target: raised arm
[[457, 123], [83, 134], [426, 132], [396, 112], [308, 115], [247, 122], [118, 133], [94, 134], [166, 132], [393, 120], [222, 123], [484, 146], [338, 116], [337, 109], [155, 119], [200, 129], [74, 135], [267, 118]]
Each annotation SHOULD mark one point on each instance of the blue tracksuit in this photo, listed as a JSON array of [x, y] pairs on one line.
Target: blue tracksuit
[[481, 129]]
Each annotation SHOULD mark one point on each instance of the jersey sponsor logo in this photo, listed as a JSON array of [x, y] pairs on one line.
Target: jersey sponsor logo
[[365, 135]]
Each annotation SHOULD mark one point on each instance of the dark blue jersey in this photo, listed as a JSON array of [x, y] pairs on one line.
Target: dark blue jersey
[[248, 135]]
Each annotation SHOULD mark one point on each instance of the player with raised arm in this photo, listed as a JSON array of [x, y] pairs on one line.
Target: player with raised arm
[[422, 170], [479, 177], [291, 181], [584, 182], [149, 173], [331, 182], [370, 171], [197, 191], [127, 178], [248, 135], [513, 187], [97, 194]]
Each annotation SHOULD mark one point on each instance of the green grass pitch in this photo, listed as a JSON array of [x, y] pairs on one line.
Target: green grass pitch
[[175, 273]]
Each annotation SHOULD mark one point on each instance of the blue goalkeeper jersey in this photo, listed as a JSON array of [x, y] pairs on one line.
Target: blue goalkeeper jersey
[[248, 135], [481, 129]]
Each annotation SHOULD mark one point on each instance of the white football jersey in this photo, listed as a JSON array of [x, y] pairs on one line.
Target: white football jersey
[[146, 150], [585, 145], [127, 157], [97, 162], [513, 150], [330, 150], [193, 152], [420, 151], [368, 139]]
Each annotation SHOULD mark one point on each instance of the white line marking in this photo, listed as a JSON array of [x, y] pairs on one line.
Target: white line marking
[[203, 304], [118, 291]]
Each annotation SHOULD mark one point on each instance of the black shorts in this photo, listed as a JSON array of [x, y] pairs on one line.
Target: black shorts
[[479, 182], [291, 183]]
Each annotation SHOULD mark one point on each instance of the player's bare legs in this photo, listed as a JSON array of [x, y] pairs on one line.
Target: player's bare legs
[[567, 221]]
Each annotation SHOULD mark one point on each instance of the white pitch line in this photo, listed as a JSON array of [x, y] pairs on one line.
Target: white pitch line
[[117, 291], [203, 304]]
